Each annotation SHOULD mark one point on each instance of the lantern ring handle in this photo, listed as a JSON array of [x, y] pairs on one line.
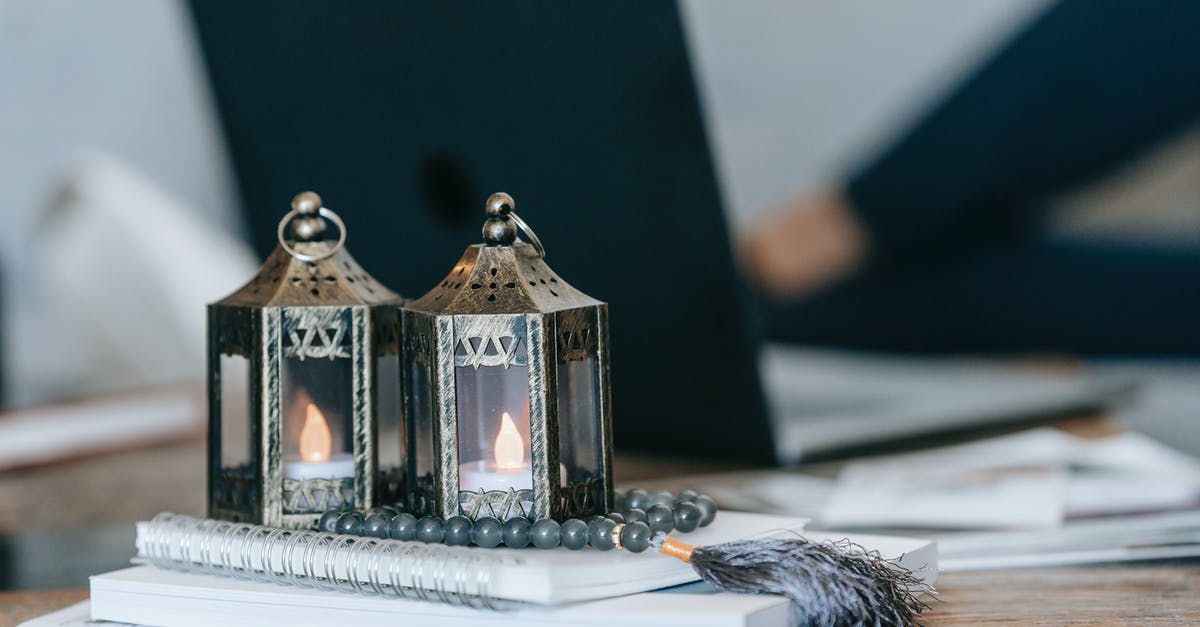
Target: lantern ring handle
[[328, 214], [533, 238]]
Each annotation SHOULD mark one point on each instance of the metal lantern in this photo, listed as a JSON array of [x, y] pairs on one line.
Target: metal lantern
[[304, 380], [506, 386]]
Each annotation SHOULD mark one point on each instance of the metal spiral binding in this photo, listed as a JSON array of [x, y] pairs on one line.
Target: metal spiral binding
[[407, 570]]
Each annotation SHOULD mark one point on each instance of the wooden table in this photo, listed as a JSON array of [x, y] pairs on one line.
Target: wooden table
[[1059, 596], [16, 607], [120, 489]]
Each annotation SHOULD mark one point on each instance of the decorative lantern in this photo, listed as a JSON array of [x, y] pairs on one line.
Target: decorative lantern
[[304, 380], [506, 386]]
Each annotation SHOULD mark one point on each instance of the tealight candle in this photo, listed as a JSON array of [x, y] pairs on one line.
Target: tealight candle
[[316, 444], [509, 469]]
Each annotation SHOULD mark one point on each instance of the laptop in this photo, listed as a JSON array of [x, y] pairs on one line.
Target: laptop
[[828, 403], [405, 116]]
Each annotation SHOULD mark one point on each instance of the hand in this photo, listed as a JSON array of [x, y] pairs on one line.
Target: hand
[[809, 244]]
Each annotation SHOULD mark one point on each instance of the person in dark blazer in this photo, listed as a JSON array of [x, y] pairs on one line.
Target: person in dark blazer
[[937, 243]]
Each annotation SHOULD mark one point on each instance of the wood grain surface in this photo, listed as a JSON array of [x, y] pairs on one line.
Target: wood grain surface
[[1076, 596], [16, 607], [1056, 596]]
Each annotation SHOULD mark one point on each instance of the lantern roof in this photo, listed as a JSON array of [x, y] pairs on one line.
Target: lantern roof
[[309, 270], [338, 280], [503, 275], [501, 280]]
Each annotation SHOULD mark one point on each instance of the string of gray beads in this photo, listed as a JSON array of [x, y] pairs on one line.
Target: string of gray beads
[[640, 515]]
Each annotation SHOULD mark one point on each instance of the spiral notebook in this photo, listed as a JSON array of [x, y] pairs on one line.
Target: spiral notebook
[[230, 574], [462, 575], [419, 570]]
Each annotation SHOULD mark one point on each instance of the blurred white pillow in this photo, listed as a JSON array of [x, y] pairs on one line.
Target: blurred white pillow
[[124, 272]]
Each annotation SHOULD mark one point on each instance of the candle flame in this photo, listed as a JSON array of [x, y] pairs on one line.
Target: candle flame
[[509, 448], [316, 443]]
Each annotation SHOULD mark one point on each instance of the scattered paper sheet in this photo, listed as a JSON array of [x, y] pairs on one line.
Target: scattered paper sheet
[[1124, 538], [906, 496], [1029, 480]]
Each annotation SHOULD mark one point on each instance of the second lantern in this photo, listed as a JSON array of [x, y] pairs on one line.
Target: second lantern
[[506, 386]]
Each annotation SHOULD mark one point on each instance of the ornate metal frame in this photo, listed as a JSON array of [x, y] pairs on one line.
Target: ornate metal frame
[[504, 289], [310, 300]]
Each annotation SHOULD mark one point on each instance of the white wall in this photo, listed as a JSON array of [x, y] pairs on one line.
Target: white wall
[[796, 92], [120, 76]]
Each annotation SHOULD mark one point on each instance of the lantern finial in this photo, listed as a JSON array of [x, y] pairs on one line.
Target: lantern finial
[[499, 230], [307, 203], [500, 205], [308, 225], [503, 221], [307, 218]]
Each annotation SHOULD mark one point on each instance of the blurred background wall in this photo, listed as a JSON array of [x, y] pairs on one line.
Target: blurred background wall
[[120, 78], [795, 93]]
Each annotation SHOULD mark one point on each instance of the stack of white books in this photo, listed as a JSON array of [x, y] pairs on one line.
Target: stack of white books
[[260, 579]]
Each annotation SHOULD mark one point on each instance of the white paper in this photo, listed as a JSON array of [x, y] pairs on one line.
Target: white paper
[[1033, 479], [1106, 540], [1009, 482]]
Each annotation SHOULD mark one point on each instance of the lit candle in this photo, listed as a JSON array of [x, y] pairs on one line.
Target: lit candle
[[509, 468], [316, 445]]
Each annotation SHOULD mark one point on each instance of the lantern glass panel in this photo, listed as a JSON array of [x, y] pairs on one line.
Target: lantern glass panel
[[579, 419], [390, 443], [493, 418], [317, 438], [420, 441], [236, 448]]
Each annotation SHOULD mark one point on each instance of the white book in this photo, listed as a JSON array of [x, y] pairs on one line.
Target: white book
[[559, 587], [144, 595]]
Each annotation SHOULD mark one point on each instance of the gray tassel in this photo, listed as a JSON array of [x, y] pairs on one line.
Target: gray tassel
[[829, 583]]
